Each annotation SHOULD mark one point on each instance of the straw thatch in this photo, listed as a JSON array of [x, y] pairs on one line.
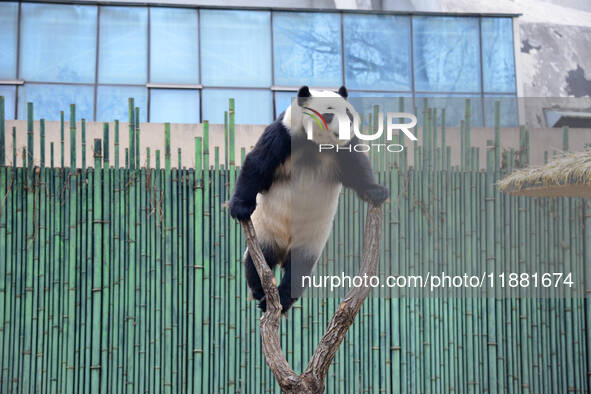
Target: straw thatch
[[567, 176]]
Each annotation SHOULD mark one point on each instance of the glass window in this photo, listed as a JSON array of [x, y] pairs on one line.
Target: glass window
[[112, 102], [235, 48], [446, 54], [307, 49], [8, 31], [174, 51], [251, 106], [455, 108], [123, 44], [377, 52], [497, 55], [49, 100], [508, 110], [364, 103], [174, 105], [58, 42], [283, 100], [9, 92]]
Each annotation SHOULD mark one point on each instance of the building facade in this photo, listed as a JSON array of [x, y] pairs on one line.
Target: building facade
[[182, 62]]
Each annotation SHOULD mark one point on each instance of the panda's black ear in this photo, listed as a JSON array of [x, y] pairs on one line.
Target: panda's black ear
[[303, 94], [343, 92]]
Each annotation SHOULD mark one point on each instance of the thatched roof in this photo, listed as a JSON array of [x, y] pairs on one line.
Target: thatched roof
[[566, 176]]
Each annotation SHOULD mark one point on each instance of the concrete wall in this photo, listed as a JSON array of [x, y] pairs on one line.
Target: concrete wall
[[151, 136], [183, 137]]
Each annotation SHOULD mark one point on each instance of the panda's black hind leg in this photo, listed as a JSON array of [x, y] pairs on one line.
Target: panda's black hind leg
[[298, 263], [252, 276]]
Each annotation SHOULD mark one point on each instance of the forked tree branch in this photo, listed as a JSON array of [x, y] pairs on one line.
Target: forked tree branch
[[312, 379]]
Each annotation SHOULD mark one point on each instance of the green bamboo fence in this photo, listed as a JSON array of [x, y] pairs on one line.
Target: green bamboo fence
[[128, 279]]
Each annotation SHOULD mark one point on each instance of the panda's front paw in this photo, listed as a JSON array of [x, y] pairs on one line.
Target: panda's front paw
[[376, 195], [241, 210], [263, 304]]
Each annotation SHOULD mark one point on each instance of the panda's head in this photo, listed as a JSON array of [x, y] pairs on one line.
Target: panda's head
[[317, 115]]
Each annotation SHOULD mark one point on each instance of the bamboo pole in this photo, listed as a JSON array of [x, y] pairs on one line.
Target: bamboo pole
[[72, 220], [131, 126], [167, 146], [14, 146], [28, 158], [27, 343], [141, 322], [41, 143], [234, 255], [207, 246], [105, 146], [43, 267], [197, 349], [116, 145], [137, 137], [495, 382], [167, 278], [73, 137], [97, 273]]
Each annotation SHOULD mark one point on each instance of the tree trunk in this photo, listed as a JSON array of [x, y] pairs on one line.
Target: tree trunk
[[312, 379]]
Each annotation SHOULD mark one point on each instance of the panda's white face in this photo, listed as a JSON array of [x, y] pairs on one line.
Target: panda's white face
[[319, 114]]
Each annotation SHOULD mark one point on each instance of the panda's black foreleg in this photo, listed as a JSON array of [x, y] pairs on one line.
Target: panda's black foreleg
[[256, 173], [252, 276], [297, 264]]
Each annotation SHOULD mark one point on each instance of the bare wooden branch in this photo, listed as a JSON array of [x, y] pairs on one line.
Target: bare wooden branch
[[283, 373], [313, 378]]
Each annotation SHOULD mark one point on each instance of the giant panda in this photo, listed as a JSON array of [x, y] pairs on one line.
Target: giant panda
[[290, 189]]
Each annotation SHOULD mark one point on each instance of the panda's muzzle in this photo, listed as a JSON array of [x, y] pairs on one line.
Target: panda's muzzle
[[328, 117]]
